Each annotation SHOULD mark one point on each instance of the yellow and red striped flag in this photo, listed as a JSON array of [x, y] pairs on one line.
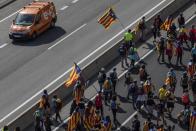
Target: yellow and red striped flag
[[74, 76], [108, 18], [73, 121], [166, 25], [193, 121]]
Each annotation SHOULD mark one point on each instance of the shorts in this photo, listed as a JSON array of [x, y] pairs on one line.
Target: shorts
[[170, 105]]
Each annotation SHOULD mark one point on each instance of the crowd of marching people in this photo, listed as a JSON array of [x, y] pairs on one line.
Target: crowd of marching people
[[143, 93]]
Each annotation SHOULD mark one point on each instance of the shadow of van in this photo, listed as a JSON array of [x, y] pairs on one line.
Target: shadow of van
[[46, 37]]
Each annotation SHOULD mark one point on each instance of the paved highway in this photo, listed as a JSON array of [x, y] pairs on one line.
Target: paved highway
[[157, 72], [27, 67]]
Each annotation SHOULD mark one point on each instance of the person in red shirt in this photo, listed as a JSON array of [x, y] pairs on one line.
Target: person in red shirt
[[192, 35], [179, 53], [98, 102]]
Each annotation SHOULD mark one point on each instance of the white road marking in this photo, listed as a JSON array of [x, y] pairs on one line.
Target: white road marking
[[3, 45], [67, 36], [9, 16], [74, 1], [121, 75], [64, 7], [47, 86]]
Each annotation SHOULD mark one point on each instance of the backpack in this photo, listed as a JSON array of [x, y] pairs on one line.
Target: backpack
[[37, 115], [186, 115], [185, 99], [113, 105], [101, 77]]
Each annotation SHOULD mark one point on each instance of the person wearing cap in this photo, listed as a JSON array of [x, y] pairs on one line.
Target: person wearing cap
[[184, 81], [101, 78], [114, 79]]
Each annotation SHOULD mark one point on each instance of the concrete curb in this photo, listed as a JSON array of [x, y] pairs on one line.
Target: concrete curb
[[4, 3], [92, 68]]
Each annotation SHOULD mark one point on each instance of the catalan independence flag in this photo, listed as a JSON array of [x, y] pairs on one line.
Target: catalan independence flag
[[193, 121], [108, 18], [166, 25], [74, 76]]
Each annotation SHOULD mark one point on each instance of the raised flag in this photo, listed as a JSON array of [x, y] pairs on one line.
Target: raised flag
[[193, 121], [108, 18], [73, 121], [74, 76], [166, 25]]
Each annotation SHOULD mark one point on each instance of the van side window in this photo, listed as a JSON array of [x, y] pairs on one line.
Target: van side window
[[38, 18]]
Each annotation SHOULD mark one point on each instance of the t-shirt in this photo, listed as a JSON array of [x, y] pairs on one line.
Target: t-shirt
[[162, 93]]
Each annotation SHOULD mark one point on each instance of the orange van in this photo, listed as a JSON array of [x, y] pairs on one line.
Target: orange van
[[32, 20]]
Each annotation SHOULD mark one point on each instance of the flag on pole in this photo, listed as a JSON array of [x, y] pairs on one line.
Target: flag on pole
[[108, 18], [166, 25], [74, 76]]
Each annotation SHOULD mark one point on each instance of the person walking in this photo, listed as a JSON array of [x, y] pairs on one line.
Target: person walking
[[5, 128], [179, 53], [47, 124], [192, 122], [114, 79], [107, 90], [133, 56], [157, 24], [99, 103], [128, 37], [170, 98], [184, 81], [114, 108], [161, 49], [128, 79], [57, 106], [143, 73], [123, 52], [191, 68], [141, 28], [73, 106], [101, 78], [181, 20], [135, 124], [192, 35], [193, 87], [169, 50]]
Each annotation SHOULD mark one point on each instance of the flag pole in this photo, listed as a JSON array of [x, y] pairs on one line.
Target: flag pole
[[121, 24]]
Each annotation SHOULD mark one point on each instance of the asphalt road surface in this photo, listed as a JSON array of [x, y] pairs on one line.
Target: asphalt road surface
[[27, 67]]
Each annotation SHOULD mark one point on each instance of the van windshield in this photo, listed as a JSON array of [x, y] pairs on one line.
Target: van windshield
[[24, 19]]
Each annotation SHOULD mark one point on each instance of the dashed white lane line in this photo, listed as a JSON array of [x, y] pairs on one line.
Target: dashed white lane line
[[3, 45], [67, 36], [64, 7], [9, 16], [74, 1]]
